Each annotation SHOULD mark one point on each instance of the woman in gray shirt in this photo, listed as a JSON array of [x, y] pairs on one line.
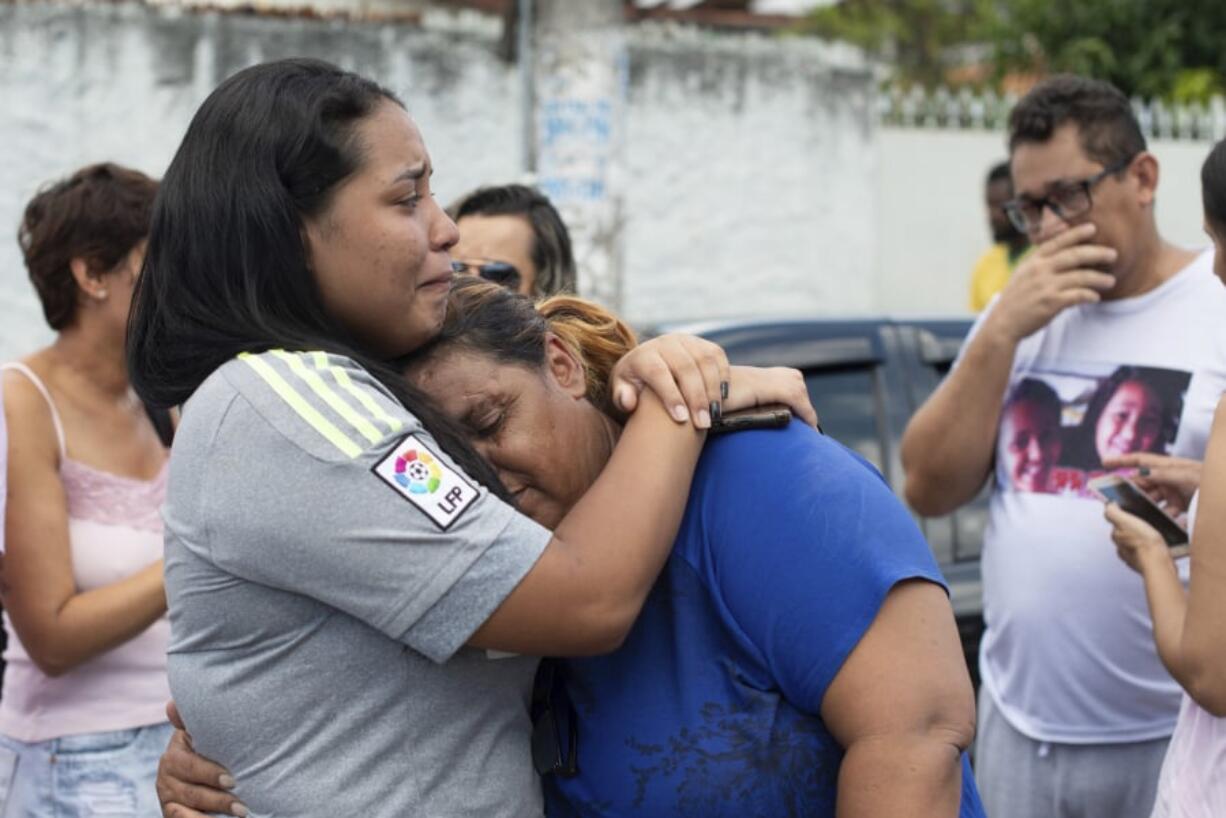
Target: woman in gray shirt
[[352, 594]]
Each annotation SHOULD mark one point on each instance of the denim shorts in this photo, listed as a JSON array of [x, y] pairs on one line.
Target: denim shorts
[[95, 775]]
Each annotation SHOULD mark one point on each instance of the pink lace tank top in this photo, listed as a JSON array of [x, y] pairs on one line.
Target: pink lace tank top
[[114, 530]]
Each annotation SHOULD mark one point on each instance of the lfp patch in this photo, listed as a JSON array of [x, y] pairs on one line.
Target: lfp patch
[[421, 477]]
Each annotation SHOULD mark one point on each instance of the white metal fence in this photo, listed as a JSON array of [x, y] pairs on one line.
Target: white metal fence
[[966, 109]]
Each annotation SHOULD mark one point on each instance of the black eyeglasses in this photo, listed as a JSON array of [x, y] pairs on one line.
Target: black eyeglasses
[[498, 272], [548, 716], [1067, 201]]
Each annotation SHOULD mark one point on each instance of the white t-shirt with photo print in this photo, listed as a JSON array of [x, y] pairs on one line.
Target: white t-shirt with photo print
[[1068, 655]]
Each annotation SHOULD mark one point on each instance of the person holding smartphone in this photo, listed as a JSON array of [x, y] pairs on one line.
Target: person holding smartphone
[[1189, 627], [1076, 708], [1118, 490]]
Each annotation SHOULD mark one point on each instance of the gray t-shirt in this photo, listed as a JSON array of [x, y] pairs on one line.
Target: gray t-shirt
[[325, 564]]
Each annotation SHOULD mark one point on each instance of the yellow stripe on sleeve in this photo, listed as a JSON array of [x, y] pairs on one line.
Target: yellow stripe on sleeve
[[300, 405], [363, 426], [360, 395]]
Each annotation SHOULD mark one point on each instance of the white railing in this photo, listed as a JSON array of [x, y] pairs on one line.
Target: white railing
[[965, 109]]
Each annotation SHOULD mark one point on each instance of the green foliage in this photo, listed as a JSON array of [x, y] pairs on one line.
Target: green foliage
[[1197, 85], [1142, 46], [1150, 48], [914, 35]]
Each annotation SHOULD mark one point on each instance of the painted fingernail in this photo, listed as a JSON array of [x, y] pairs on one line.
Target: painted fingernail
[[226, 781], [1143, 471], [680, 413], [704, 420], [717, 411], [723, 390], [238, 809]]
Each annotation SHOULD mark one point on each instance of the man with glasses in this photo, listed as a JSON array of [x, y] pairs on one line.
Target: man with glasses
[[512, 235], [1075, 707]]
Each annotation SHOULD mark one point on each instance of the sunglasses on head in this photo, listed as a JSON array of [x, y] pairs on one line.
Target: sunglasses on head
[[498, 272]]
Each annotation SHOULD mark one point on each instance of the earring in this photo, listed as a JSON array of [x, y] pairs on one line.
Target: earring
[[100, 295]]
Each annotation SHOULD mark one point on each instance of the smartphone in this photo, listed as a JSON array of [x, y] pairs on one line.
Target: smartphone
[[760, 417], [1115, 488]]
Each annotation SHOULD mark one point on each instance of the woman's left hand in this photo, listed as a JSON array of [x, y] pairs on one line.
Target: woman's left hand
[[1171, 481], [690, 375], [188, 784], [757, 386], [694, 380], [1137, 542]]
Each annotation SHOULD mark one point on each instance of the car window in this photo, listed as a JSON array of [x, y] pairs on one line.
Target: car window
[[970, 521], [846, 400]]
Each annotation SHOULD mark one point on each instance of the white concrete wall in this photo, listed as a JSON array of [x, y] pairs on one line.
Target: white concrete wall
[[744, 167], [746, 191], [121, 82], [930, 224]]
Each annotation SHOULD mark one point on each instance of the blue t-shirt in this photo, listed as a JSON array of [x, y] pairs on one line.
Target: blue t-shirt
[[711, 707]]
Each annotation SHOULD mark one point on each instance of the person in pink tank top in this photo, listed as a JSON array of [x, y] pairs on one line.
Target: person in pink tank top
[[82, 719], [1189, 627]]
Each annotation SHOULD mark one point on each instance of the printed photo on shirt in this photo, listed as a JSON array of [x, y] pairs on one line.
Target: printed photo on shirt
[[1059, 425]]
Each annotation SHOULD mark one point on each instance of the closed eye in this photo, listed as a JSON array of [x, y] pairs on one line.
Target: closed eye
[[485, 425], [492, 428]]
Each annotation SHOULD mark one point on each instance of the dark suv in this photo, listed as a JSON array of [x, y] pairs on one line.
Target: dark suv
[[866, 377]]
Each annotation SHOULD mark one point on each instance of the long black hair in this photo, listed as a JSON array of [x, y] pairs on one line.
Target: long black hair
[[226, 268]]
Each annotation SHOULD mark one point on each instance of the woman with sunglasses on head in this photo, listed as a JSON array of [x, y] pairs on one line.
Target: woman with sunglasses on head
[[1189, 626], [354, 600], [797, 656]]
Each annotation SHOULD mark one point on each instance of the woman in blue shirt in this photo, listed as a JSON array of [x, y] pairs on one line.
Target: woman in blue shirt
[[798, 654]]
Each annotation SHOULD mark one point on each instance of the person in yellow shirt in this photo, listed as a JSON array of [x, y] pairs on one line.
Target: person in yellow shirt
[[994, 267]]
